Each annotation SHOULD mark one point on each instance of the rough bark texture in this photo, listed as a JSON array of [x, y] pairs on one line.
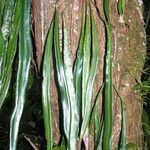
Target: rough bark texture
[[128, 56]]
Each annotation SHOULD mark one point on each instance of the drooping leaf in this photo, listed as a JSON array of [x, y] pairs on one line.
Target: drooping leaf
[[122, 141], [74, 124], [90, 63], [7, 54], [66, 87], [98, 122], [86, 59], [123, 128], [46, 87], [108, 94], [1, 55], [79, 64], [23, 71]]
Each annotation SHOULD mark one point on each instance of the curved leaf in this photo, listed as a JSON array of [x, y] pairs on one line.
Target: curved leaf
[[77, 73], [108, 94], [122, 141], [66, 87], [8, 51], [23, 71], [46, 88], [90, 63], [86, 59], [123, 128], [74, 124]]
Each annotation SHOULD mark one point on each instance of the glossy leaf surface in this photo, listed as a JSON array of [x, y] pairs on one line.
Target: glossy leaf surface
[[23, 71], [108, 94], [66, 87], [46, 88], [7, 54], [90, 63]]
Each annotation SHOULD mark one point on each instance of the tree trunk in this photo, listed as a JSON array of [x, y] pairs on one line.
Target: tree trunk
[[128, 56]]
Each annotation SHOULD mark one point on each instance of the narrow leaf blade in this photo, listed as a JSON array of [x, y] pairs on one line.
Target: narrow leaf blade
[[66, 87], [23, 72], [108, 94], [7, 54], [94, 58], [46, 88]]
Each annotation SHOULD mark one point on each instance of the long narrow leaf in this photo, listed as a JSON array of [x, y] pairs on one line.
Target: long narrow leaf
[[122, 142], [1, 55], [61, 77], [65, 81], [98, 122], [74, 124], [123, 128], [79, 63], [46, 88], [9, 51], [86, 60], [94, 57], [23, 71], [108, 95]]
